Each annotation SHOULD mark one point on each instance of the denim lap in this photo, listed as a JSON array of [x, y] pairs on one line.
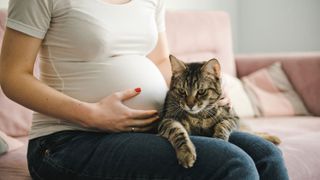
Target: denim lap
[[267, 157], [90, 155]]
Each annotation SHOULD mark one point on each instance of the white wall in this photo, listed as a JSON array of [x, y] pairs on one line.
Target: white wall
[[3, 3], [263, 25], [279, 25], [267, 25]]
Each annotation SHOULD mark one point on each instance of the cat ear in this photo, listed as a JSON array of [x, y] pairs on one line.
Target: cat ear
[[212, 67], [177, 66]]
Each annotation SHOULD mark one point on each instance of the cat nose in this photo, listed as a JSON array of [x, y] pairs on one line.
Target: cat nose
[[190, 102], [191, 106]]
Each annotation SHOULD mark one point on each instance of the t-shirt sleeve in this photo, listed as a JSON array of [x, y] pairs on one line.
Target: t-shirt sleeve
[[160, 16], [31, 17]]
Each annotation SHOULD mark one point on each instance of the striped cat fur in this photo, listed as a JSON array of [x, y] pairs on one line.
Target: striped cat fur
[[192, 108]]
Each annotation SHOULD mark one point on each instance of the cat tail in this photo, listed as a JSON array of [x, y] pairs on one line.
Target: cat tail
[[272, 138]]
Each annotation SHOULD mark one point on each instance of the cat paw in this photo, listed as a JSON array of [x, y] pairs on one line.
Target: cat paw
[[222, 136], [274, 139], [187, 156]]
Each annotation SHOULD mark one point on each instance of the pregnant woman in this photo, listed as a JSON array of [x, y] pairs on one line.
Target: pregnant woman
[[103, 67]]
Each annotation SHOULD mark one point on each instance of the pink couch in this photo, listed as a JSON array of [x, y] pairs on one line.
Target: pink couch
[[202, 35]]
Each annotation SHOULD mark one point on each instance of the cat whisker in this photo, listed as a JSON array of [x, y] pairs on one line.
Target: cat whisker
[[169, 105], [173, 105]]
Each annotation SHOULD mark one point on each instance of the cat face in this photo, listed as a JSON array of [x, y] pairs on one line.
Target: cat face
[[195, 86]]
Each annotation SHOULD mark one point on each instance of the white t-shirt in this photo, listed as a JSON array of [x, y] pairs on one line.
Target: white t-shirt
[[92, 48]]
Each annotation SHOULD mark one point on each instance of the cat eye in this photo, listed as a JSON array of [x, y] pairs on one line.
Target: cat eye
[[201, 92]]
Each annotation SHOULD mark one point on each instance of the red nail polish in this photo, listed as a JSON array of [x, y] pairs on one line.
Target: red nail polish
[[137, 89]]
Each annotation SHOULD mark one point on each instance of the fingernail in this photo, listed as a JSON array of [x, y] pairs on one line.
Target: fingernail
[[137, 89]]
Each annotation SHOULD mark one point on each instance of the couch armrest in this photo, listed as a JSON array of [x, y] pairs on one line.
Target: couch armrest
[[303, 71]]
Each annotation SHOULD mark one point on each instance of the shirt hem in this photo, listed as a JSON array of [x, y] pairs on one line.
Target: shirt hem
[[48, 131], [26, 29]]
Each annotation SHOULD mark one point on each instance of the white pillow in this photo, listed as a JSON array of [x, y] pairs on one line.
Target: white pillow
[[240, 101]]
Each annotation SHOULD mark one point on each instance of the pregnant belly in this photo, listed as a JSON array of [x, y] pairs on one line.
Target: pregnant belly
[[92, 81]]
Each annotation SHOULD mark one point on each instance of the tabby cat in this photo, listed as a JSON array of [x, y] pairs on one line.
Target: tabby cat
[[192, 107]]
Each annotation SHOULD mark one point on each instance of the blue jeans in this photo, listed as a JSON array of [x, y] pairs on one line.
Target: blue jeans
[[138, 156]]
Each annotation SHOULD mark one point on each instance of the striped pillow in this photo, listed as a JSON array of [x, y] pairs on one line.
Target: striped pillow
[[272, 94]]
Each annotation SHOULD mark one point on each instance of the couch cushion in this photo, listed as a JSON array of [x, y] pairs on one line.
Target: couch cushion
[[15, 120], [300, 143], [302, 70], [240, 101], [8, 143], [13, 165], [200, 36], [272, 94]]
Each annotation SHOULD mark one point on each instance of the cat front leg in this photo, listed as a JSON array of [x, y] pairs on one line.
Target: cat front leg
[[223, 129], [179, 138]]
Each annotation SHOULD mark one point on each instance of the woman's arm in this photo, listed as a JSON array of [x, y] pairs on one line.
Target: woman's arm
[[17, 60], [160, 57]]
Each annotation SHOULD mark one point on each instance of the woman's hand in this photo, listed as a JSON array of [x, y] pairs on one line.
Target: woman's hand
[[111, 115]]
